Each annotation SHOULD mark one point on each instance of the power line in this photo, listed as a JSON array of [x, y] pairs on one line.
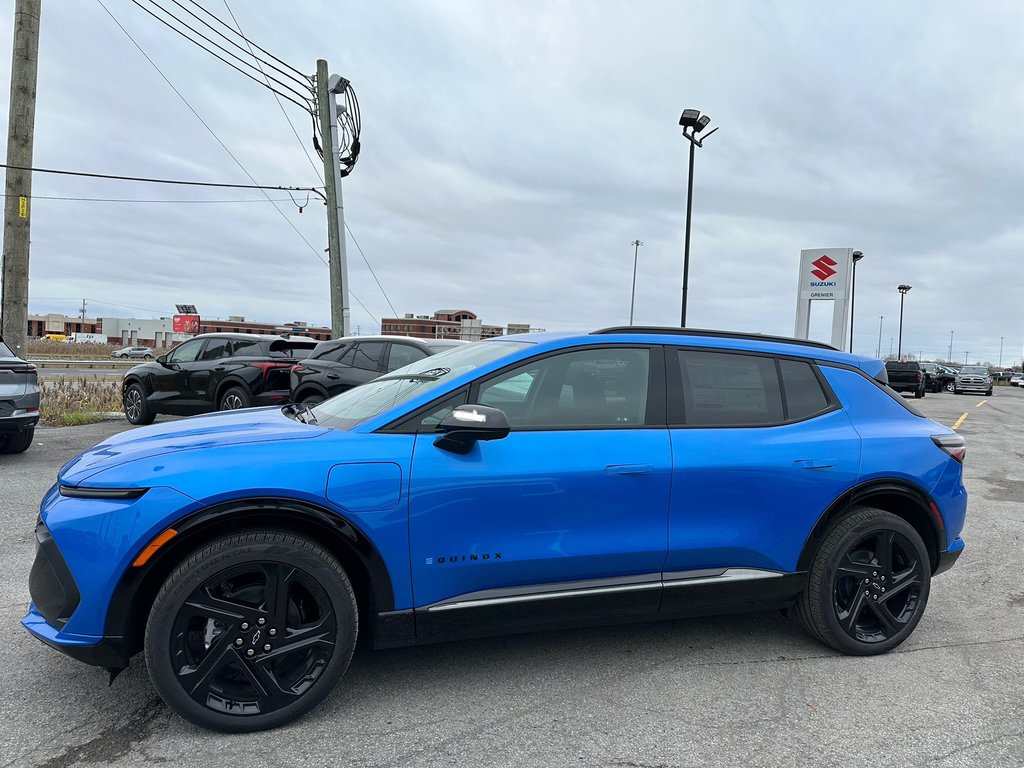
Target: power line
[[358, 248], [150, 180], [212, 132], [298, 94], [137, 200]]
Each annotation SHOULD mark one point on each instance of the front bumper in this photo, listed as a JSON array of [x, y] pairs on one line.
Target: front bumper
[[107, 652]]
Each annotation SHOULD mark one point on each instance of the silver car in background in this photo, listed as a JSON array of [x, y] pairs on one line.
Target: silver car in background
[[136, 353], [973, 378], [19, 401]]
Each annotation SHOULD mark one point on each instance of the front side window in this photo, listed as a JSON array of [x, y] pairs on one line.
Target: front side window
[[187, 352], [587, 388], [722, 389]]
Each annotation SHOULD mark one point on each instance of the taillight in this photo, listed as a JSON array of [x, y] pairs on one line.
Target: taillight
[[919, 375], [268, 367], [954, 445], [297, 369]]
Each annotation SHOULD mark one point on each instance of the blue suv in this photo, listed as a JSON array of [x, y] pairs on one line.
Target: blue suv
[[515, 484]]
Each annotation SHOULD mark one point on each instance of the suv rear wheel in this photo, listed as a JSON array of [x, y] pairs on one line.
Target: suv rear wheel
[[251, 631], [868, 584], [235, 398], [19, 442]]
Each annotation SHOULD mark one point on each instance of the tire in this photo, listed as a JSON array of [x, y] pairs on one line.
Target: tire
[[845, 604], [136, 409], [147, 357], [957, 391], [234, 398], [198, 617], [18, 443], [989, 393], [919, 392], [313, 399], [950, 386]]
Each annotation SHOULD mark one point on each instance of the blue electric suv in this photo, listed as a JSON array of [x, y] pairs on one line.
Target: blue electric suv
[[520, 483]]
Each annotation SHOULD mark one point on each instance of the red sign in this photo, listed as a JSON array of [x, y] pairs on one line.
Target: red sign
[[824, 268], [185, 324]]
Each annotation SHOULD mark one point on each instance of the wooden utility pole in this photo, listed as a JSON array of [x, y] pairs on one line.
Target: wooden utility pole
[[18, 187], [327, 109]]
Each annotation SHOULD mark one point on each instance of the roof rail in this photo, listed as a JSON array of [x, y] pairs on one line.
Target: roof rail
[[711, 333]]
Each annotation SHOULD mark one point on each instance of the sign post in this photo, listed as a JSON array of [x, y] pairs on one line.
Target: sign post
[[824, 276]]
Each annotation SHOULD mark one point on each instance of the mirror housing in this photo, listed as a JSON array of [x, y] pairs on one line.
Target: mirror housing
[[468, 423], [162, 360]]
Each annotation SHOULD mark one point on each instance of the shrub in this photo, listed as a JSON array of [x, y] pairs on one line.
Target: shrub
[[69, 402]]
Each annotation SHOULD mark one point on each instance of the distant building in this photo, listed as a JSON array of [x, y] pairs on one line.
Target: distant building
[[446, 324], [158, 333]]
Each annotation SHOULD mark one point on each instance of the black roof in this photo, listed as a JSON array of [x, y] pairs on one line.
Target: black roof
[[705, 332]]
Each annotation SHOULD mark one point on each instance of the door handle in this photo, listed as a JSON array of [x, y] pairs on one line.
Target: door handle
[[220, 368], [628, 469], [333, 376], [814, 463]]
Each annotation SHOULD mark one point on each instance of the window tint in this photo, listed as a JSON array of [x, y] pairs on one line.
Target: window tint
[[724, 389], [585, 388], [804, 395], [403, 354], [334, 355], [246, 348], [367, 355], [186, 353], [216, 349]]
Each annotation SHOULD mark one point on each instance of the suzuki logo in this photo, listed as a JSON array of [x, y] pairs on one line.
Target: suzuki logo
[[824, 268]]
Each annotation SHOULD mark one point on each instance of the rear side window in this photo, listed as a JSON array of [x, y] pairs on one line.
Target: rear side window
[[246, 348], [332, 355], [804, 395], [403, 354], [5, 351], [723, 389], [216, 349], [366, 356]]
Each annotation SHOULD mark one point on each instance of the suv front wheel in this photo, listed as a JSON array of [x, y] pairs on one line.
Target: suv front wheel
[[868, 584]]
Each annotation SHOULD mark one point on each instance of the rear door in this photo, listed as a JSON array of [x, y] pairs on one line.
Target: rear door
[[760, 449], [207, 369]]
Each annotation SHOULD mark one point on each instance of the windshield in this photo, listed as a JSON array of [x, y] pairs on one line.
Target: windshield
[[363, 402], [974, 370]]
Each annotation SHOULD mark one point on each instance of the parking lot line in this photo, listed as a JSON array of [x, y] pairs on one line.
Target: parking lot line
[[960, 421], [981, 403]]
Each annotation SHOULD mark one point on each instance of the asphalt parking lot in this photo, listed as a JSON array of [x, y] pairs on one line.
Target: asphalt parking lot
[[746, 690]]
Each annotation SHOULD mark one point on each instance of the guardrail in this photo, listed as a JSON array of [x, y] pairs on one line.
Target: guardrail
[[111, 363]]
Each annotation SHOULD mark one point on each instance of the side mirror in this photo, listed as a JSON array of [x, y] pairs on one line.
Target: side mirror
[[468, 423], [162, 360]]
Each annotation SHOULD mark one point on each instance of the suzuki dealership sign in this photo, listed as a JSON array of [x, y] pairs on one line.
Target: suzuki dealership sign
[[824, 276]]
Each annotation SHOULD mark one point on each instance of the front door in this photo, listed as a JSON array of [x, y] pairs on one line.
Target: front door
[[562, 520], [171, 393]]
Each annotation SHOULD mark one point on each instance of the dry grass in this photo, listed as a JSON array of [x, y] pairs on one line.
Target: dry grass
[[70, 402], [63, 350]]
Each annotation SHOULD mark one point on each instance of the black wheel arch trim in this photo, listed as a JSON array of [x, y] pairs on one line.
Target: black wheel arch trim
[[228, 382], [923, 504], [310, 387], [138, 586]]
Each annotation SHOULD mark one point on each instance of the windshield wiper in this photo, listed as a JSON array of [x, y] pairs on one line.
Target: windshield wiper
[[432, 375], [300, 412]]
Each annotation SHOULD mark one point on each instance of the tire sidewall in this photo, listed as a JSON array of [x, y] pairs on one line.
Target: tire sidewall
[[242, 395], [207, 563], [827, 615], [146, 416]]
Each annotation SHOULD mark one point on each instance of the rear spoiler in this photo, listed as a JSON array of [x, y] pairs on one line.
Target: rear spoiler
[[875, 369]]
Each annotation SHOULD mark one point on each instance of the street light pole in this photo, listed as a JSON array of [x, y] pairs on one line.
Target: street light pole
[[1000, 352], [965, 357], [693, 120], [857, 256], [903, 293], [878, 349], [950, 355], [632, 296]]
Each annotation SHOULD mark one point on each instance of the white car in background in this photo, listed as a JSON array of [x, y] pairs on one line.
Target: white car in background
[[1017, 380]]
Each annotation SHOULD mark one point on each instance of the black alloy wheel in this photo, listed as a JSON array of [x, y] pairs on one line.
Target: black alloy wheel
[[136, 410], [251, 632], [868, 584]]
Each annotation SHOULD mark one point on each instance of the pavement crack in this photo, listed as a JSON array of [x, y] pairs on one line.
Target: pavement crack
[[114, 741]]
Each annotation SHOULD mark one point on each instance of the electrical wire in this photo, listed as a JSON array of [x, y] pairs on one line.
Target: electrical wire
[[150, 180], [136, 200], [212, 132], [385, 293], [304, 104]]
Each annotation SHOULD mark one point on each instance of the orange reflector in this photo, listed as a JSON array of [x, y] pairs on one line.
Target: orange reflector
[[154, 545]]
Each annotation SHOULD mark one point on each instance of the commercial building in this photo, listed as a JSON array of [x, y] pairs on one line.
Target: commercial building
[[447, 324]]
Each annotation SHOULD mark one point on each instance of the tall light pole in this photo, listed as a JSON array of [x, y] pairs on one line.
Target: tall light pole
[[1000, 352], [857, 256], [878, 349], [950, 355], [632, 296], [965, 357], [903, 293], [692, 123]]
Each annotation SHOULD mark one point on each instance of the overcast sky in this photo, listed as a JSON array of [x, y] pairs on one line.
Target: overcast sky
[[512, 150]]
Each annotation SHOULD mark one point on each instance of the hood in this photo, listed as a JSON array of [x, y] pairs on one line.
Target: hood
[[198, 433]]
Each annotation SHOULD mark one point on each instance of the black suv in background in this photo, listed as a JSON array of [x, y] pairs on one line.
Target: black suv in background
[[340, 364], [906, 377], [19, 401], [214, 371], [937, 377]]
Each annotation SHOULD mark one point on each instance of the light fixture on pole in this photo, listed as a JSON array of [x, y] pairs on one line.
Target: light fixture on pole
[[857, 256], [693, 123], [632, 296], [903, 293], [878, 349]]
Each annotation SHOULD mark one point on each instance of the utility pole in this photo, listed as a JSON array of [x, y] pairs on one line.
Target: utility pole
[[83, 315], [18, 186], [327, 109]]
